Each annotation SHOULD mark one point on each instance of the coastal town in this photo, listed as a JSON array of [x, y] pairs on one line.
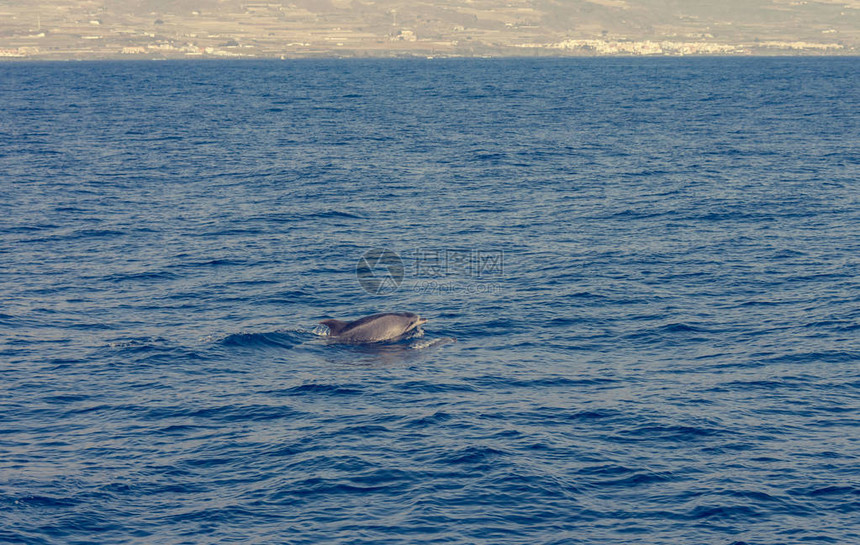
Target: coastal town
[[105, 29]]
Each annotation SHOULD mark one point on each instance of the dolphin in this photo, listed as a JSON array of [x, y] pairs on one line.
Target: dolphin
[[386, 326]]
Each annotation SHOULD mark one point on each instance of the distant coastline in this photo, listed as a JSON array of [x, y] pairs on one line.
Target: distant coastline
[[608, 50], [125, 29]]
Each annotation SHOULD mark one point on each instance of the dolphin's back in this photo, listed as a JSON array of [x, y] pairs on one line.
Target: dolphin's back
[[377, 327], [374, 328], [366, 320]]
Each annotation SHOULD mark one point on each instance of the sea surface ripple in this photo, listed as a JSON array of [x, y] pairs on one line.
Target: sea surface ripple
[[641, 279]]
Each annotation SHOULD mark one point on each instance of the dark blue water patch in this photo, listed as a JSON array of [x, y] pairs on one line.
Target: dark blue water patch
[[671, 433], [548, 416], [633, 479], [766, 385], [833, 325], [724, 513], [671, 333], [435, 387], [217, 233], [135, 353], [681, 328], [664, 360], [544, 382], [472, 456], [141, 344], [198, 265], [45, 502], [312, 389], [835, 356], [142, 276], [10, 320], [97, 233], [277, 339], [334, 214], [29, 228], [835, 491], [203, 418], [316, 486]]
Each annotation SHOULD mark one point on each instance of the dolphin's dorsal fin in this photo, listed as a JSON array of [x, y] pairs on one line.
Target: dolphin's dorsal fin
[[335, 327]]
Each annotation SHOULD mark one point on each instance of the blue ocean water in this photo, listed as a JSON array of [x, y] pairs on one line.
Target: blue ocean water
[[641, 279]]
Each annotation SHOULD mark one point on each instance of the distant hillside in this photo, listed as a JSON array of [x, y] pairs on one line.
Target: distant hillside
[[177, 28]]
